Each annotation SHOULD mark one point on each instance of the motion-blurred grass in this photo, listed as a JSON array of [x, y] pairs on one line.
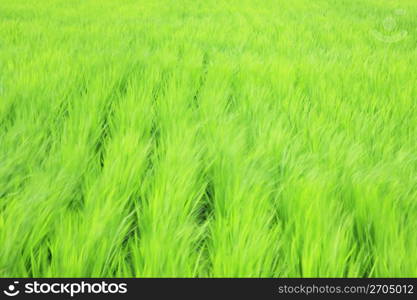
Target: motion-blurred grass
[[208, 138]]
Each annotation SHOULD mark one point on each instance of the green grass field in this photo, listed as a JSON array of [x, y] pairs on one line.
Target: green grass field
[[216, 138]]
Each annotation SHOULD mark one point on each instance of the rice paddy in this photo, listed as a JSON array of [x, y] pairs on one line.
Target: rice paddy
[[216, 138]]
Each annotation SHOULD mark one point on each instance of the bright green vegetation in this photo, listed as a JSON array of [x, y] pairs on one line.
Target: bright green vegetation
[[208, 138]]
